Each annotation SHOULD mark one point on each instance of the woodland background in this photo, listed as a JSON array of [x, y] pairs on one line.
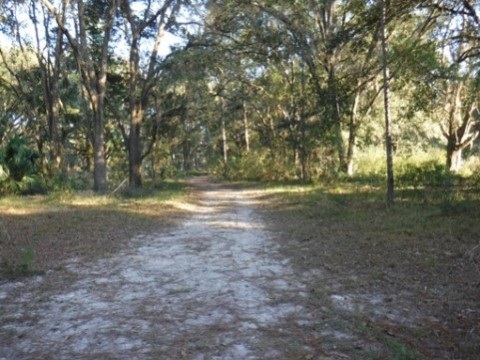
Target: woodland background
[[323, 106], [92, 93]]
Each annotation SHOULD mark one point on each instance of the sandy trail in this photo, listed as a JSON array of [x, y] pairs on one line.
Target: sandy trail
[[214, 288]]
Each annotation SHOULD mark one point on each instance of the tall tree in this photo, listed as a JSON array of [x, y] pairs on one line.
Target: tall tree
[[51, 64], [460, 47], [386, 93], [92, 67], [150, 22], [45, 45]]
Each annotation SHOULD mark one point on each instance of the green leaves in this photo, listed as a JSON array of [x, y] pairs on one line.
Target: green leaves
[[18, 158]]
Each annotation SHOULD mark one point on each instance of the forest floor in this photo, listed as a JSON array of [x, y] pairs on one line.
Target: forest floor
[[244, 273]]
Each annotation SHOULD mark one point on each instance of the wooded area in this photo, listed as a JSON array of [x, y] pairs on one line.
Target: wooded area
[[259, 89], [329, 109]]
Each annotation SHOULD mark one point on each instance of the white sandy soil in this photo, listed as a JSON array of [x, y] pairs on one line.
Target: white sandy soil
[[214, 288]]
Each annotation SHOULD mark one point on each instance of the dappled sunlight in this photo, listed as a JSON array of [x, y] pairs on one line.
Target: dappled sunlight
[[300, 190], [187, 206], [218, 275], [90, 201], [346, 189], [24, 206], [19, 211], [234, 224]]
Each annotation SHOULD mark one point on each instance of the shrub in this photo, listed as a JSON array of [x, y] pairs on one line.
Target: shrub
[[260, 166], [427, 173], [18, 158], [18, 168]]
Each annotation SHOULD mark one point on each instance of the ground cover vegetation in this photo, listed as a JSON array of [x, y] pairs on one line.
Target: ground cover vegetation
[[39, 233], [90, 100], [406, 277]]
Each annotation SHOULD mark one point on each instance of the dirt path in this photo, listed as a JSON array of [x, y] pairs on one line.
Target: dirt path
[[214, 288]]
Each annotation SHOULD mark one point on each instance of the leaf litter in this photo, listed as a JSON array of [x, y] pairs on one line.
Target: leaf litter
[[214, 288]]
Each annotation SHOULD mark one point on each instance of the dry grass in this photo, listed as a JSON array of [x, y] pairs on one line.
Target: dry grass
[[38, 233], [412, 270]]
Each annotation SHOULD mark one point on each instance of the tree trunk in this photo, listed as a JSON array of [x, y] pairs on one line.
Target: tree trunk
[[349, 160], [187, 156], [304, 147], [335, 113], [454, 155], [135, 148], [386, 92], [50, 74], [141, 84], [224, 143], [461, 130], [99, 158], [246, 128], [352, 136]]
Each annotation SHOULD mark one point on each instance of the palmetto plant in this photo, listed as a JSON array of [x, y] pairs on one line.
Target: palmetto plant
[[18, 159]]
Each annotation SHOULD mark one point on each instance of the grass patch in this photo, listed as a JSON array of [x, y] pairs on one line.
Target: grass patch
[[420, 257], [38, 232]]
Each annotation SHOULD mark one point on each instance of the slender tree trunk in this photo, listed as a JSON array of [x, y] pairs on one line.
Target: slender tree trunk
[[352, 136], [304, 146], [246, 128], [135, 148], [335, 113], [99, 158], [224, 143], [136, 120], [386, 92], [55, 108], [187, 156], [50, 71], [98, 81]]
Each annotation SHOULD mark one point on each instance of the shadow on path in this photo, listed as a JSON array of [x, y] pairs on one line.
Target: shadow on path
[[213, 288]]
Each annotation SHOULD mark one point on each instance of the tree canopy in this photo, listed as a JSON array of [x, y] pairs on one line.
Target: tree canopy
[[96, 90]]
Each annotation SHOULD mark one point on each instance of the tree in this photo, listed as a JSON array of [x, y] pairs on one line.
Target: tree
[[27, 65], [462, 124], [461, 53], [50, 64], [92, 68], [151, 22], [317, 34], [386, 92]]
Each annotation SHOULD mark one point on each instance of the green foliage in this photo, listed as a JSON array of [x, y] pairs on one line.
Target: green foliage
[[18, 158], [400, 351], [15, 261], [255, 167], [22, 264], [298, 86], [18, 168], [26, 262], [161, 191], [411, 170], [61, 182], [371, 166], [427, 173]]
